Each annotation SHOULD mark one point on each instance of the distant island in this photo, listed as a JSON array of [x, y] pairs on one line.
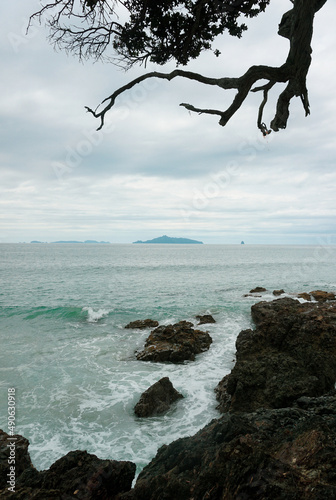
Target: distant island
[[167, 239], [71, 241]]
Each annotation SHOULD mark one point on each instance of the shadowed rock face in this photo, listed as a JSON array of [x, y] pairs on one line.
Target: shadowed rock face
[[291, 353], [22, 457], [157, 399], [76, 475], [175, 343], [280, 454]]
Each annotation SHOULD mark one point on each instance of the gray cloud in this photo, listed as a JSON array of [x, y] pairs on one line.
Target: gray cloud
[[155, 168]]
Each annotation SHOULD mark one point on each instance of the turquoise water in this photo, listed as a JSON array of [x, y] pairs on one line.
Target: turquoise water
[[63, 308]]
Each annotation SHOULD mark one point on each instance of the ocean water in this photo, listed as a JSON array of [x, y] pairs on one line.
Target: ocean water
[[64, 348]]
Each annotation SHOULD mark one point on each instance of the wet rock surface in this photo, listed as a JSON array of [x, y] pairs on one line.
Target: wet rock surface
[[142, 324], [174, 343], [157, 399], [291, 353]]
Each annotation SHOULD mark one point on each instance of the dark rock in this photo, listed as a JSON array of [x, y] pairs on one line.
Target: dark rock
[[76, 475], [142, 324], [175, 343], [13, 446], [206, 318], [290, 354], [322, 296], [304, 295], [258, 289], [23, 493], [89, 476], [278, 292], [280, 454], [157, 399]]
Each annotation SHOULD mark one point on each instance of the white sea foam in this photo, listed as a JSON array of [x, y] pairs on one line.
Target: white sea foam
[[94, 316]]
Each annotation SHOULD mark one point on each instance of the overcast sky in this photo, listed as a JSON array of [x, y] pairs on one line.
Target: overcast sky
[[157, 169]]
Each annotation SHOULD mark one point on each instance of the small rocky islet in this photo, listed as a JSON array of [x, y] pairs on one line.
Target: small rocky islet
[[276, 437]]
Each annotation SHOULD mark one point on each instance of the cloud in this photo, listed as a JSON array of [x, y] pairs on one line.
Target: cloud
[[155, 168]]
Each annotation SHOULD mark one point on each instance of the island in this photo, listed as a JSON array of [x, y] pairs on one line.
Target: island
[[167, 239]]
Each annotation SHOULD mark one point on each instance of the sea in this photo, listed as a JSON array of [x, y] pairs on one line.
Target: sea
[[72, 363]]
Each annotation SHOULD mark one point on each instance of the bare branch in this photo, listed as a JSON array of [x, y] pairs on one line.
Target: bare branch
[[200, 111], [261, 125], [181, 32]]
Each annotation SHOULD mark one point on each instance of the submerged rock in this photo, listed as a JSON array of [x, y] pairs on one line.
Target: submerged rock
[[174, 343], [142, 324], [76, 475], [206, 318], [291, 353], [157, 399], [280, 454]]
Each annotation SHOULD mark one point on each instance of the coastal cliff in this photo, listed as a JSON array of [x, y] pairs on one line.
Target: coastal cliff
[[275, 440]]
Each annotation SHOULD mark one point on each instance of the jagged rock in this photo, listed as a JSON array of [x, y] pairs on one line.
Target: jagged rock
[[91, 477], [278, 292], [304, 295], [157, 399], [13, 447], [258, 289], [322, 296], [174, 343], [206, 318], [142, 324], [291, 353], [76, 475], [280, 454]]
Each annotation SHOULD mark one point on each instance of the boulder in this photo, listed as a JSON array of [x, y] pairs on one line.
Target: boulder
[[206, 318], [258, 289], [278, 292], [157, 399], [174, 343], [76, 475], [282, 454], [142, 324], [322, 296], [291, 353]]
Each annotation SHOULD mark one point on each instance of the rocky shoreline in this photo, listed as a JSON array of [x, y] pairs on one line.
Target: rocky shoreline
[[275, 440]]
